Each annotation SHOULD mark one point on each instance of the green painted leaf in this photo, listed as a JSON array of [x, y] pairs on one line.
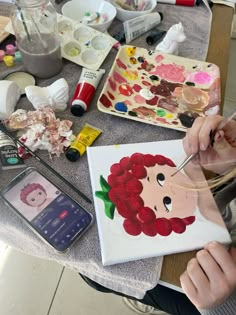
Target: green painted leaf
[[104, 184]]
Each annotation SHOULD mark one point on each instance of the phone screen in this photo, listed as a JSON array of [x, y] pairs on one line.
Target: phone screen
[[52, 213]]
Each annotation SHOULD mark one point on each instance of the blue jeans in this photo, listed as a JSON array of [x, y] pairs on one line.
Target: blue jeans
[[160, 297]]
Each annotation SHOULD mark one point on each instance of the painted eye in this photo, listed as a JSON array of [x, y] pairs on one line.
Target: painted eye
[[160, 179], [148, 179], [40, 193], [167, 203], [33, 199]]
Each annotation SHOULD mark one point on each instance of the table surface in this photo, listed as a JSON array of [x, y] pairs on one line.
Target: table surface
[[218, 53]]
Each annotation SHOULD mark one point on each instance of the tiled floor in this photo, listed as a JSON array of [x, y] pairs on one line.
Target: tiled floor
[[31, 286]]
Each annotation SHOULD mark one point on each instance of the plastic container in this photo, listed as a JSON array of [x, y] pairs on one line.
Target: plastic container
[[35, 27]]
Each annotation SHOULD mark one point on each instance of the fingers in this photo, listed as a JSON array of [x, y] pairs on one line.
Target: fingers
[[223, 258], [196, 274], [210, 267], [198, 136], [188, 286]]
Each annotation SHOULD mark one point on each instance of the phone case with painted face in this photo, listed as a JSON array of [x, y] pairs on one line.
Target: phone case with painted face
[[47, 210]]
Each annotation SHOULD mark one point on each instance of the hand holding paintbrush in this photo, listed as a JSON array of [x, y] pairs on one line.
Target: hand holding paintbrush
[[217, 152]]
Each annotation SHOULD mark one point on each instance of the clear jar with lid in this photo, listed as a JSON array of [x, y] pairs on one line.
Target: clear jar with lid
[[35, 26]]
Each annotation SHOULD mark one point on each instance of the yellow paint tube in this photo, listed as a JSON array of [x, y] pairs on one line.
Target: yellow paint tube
[[85, 138]]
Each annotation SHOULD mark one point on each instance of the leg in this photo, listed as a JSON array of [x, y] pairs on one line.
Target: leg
[[160, 297]]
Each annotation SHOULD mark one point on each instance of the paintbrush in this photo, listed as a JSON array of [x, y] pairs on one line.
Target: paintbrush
[[4, 129]]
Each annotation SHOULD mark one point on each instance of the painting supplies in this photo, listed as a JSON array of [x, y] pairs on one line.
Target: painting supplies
[[4, 129], [9, 157], [2, 54], [85, 90], [85, 138], [9, 61], [154, 36], [22, 79], [188, 3], [140, 25], [223, 123], [10, 94], [10, 49], [155, 88]]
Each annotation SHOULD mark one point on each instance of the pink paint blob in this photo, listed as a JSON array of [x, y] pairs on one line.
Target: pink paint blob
[[137, 87], [128, 103], [171, 72], [112, 84], [146, 83], [159, 58], [139, 99], [120, 64], [200, 77], [117, 77]]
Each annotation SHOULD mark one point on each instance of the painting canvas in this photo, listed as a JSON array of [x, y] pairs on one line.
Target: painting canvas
[[160, 89], [142, 211]]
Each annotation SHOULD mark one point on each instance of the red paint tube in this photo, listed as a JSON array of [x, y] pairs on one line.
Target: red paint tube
[[188, 3], [85, 90]]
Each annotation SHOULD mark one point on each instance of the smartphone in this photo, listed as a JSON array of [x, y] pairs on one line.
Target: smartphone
[[48, 211]]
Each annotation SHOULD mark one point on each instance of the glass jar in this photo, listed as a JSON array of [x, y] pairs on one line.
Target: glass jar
[[35, 26]]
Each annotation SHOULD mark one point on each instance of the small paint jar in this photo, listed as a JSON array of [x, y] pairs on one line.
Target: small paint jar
[[18, 56], [2, 54], [9, 61], [10, 49]]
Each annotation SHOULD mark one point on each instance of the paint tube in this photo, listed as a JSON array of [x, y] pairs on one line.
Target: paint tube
[[139, 25], [9, 157], [85, 90], [84, 139]]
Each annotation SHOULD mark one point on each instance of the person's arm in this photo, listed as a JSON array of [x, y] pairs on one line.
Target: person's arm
[[226, 308], [210, 278]]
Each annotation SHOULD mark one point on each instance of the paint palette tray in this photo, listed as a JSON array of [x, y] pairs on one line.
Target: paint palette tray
[[160, 89], [82, 44]]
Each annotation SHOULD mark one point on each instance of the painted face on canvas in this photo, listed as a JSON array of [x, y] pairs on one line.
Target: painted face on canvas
[[161, 193]]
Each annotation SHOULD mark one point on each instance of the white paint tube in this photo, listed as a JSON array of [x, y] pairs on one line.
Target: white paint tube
[[139, 25]]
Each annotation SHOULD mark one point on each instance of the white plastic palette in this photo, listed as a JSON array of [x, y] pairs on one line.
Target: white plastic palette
[[83, 45]]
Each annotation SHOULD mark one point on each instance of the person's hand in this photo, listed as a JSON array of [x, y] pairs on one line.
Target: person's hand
[[210, 278], [222, 155]]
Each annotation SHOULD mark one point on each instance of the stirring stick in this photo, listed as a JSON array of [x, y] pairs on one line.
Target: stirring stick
[[4, 129], [24, 24]]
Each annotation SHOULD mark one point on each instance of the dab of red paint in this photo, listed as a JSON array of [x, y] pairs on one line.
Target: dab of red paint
[[112, 97], [153, 101], [105, 101], [120, 64], [125, 89], [137, 87]]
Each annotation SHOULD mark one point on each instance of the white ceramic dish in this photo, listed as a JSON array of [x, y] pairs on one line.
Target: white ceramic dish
[[83, 45], [125, 15], [76, 10]]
